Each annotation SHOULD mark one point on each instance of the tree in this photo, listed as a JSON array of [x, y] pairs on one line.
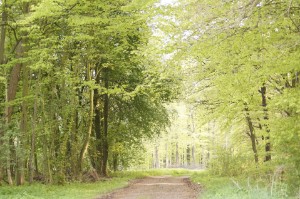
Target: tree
[[240, 52], [75, 81]]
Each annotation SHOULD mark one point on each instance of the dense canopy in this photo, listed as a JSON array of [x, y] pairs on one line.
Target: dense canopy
[[99, 86]]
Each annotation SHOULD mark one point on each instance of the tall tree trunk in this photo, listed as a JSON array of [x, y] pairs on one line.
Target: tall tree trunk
[[19, 156], [11, 94], [73, 144], [32, 143], [97, 126], [263, 92], [201, 158], [45, 148], [193, 155], [167, 156], [90, 125], [177, 155], [20, 162], [2, 61], [156, 157], [188, 155], [20, 159], [36, 164], [105, 124], [115, 161], [251, 132]]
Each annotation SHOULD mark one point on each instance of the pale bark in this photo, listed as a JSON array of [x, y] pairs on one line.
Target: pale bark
[[193, 155], [177, 155], [167, 156], [156, 157]]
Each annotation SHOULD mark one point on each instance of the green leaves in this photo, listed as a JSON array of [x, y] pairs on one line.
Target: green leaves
[[230, 50]]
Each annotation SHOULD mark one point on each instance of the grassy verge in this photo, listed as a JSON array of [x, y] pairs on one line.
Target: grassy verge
[[216, 187], [213, 187], [80, 190], [68, 191]]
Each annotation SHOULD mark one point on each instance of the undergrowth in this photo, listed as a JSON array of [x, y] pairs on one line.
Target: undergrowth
[[218, 187]]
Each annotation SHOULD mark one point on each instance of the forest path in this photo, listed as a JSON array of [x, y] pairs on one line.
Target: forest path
[[166, 187]]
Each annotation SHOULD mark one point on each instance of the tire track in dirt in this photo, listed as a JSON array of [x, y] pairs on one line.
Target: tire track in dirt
[[162, 187]]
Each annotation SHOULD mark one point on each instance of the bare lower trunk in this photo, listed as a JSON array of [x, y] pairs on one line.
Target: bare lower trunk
[[177, 155], [105, 126], [251, 133], [4, 165], [193, 155], [188, 155], [32, 144], [90, 126], [20, 159], [115, 162], [10, 96], [167, 156], [98, 124], [156, 158], [263, 92], [19, 156]]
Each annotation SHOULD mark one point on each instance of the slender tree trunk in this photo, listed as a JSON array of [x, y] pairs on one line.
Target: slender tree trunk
[[188, 155], [156, 158], [251, 132], [193, 155], [19, 156], [74, 143], [45, 148], [20, 159], [97, 126], [3, 31], [2, 51], [11, 94], [25, 78], [46, 165], [36, 164], [201, 162], [183, 157], [90, 126], [263, 92], [115, 161], [167, 156], [32, 144], [177, 155], [105, 125]]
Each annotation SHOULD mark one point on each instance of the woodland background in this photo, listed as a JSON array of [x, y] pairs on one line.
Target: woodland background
[[100, 86]]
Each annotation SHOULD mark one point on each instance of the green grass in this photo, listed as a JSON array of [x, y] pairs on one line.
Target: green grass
[[216, 187], [72, 191], [213, 187], [81, 190]]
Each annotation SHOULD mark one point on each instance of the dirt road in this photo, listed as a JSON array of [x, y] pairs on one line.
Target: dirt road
[[163, 187]]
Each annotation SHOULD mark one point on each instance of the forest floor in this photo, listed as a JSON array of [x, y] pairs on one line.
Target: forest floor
[[167, 187]]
